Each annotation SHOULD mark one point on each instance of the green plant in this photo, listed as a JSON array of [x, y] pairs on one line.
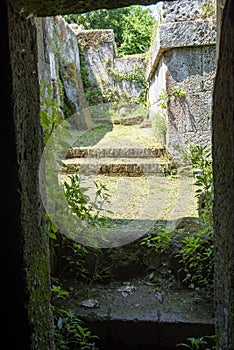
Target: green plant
[[169, 169], [81, 204], [201, 159], [79, 262], [177, 91], [137, 75], [50, 117], [159, 240], [69, 330], [83, 69], [196, 258], [199, 343], [196, 253], [208, 8], [195, 250], [163, 99]]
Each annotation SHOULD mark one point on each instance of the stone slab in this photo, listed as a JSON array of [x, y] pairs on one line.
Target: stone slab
[[131, 310], [115, 166], [115, 152], [180, 34]]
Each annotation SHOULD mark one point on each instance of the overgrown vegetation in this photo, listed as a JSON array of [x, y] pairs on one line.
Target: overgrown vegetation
[[80, 263], [70, 332], [201, 343], [50, 116], [208, 9], [132, 26], [195, 248], [81, 204], [194, 252], [201, 159]]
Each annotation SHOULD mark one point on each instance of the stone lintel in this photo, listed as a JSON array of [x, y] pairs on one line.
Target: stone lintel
[[44, 8], [180, 34]]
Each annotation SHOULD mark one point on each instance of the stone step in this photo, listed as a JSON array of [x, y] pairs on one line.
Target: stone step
[[129, 120], [116, 166], [133, 316], [116, 152]]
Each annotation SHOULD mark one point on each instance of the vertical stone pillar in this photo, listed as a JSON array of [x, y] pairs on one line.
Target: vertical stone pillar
[[24, 245], [223, 154]]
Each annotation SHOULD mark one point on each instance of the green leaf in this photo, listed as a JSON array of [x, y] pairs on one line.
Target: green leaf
[[52, 235]]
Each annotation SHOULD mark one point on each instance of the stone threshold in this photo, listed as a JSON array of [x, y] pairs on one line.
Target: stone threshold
[[135, 315]]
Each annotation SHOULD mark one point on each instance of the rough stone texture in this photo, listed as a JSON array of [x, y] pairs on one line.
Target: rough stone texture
[[143, 318], [184, 10], [156, 86], [51, 8], [59, 62], [120, 152], [115, 166], [72, 83], [126, 65], [109, 77], [187, 34], [223, 150], [189, 118], [98, 46], [24, 104], [180, 34], [183, 57], [29, 220]]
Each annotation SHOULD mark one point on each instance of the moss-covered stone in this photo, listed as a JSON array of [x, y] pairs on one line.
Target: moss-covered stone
[[76, 98], [31, 233]]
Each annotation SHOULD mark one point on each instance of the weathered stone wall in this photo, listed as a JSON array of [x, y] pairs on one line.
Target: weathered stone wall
[[128, 71], [189, 117], [97, 49], [185, 10], [109, 78], [223, 169], [26, 136], [59, 63], [57, 46], [182, 64]]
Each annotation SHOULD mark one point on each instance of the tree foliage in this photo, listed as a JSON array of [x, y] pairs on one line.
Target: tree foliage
[[132, 26]]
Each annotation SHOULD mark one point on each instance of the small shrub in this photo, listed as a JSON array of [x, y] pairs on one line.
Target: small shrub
[[196, 258], [159, 240], [200, 343], [76, 261], [201, 160], [81, 204], [197, 251], [69, 331], [177, 91], [163, 98]]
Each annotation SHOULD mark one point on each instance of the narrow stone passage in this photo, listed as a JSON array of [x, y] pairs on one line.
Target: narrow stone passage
[[143, 304]]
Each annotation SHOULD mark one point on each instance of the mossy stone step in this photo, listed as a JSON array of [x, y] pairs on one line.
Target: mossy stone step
[[116, 152], [116, 166]]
